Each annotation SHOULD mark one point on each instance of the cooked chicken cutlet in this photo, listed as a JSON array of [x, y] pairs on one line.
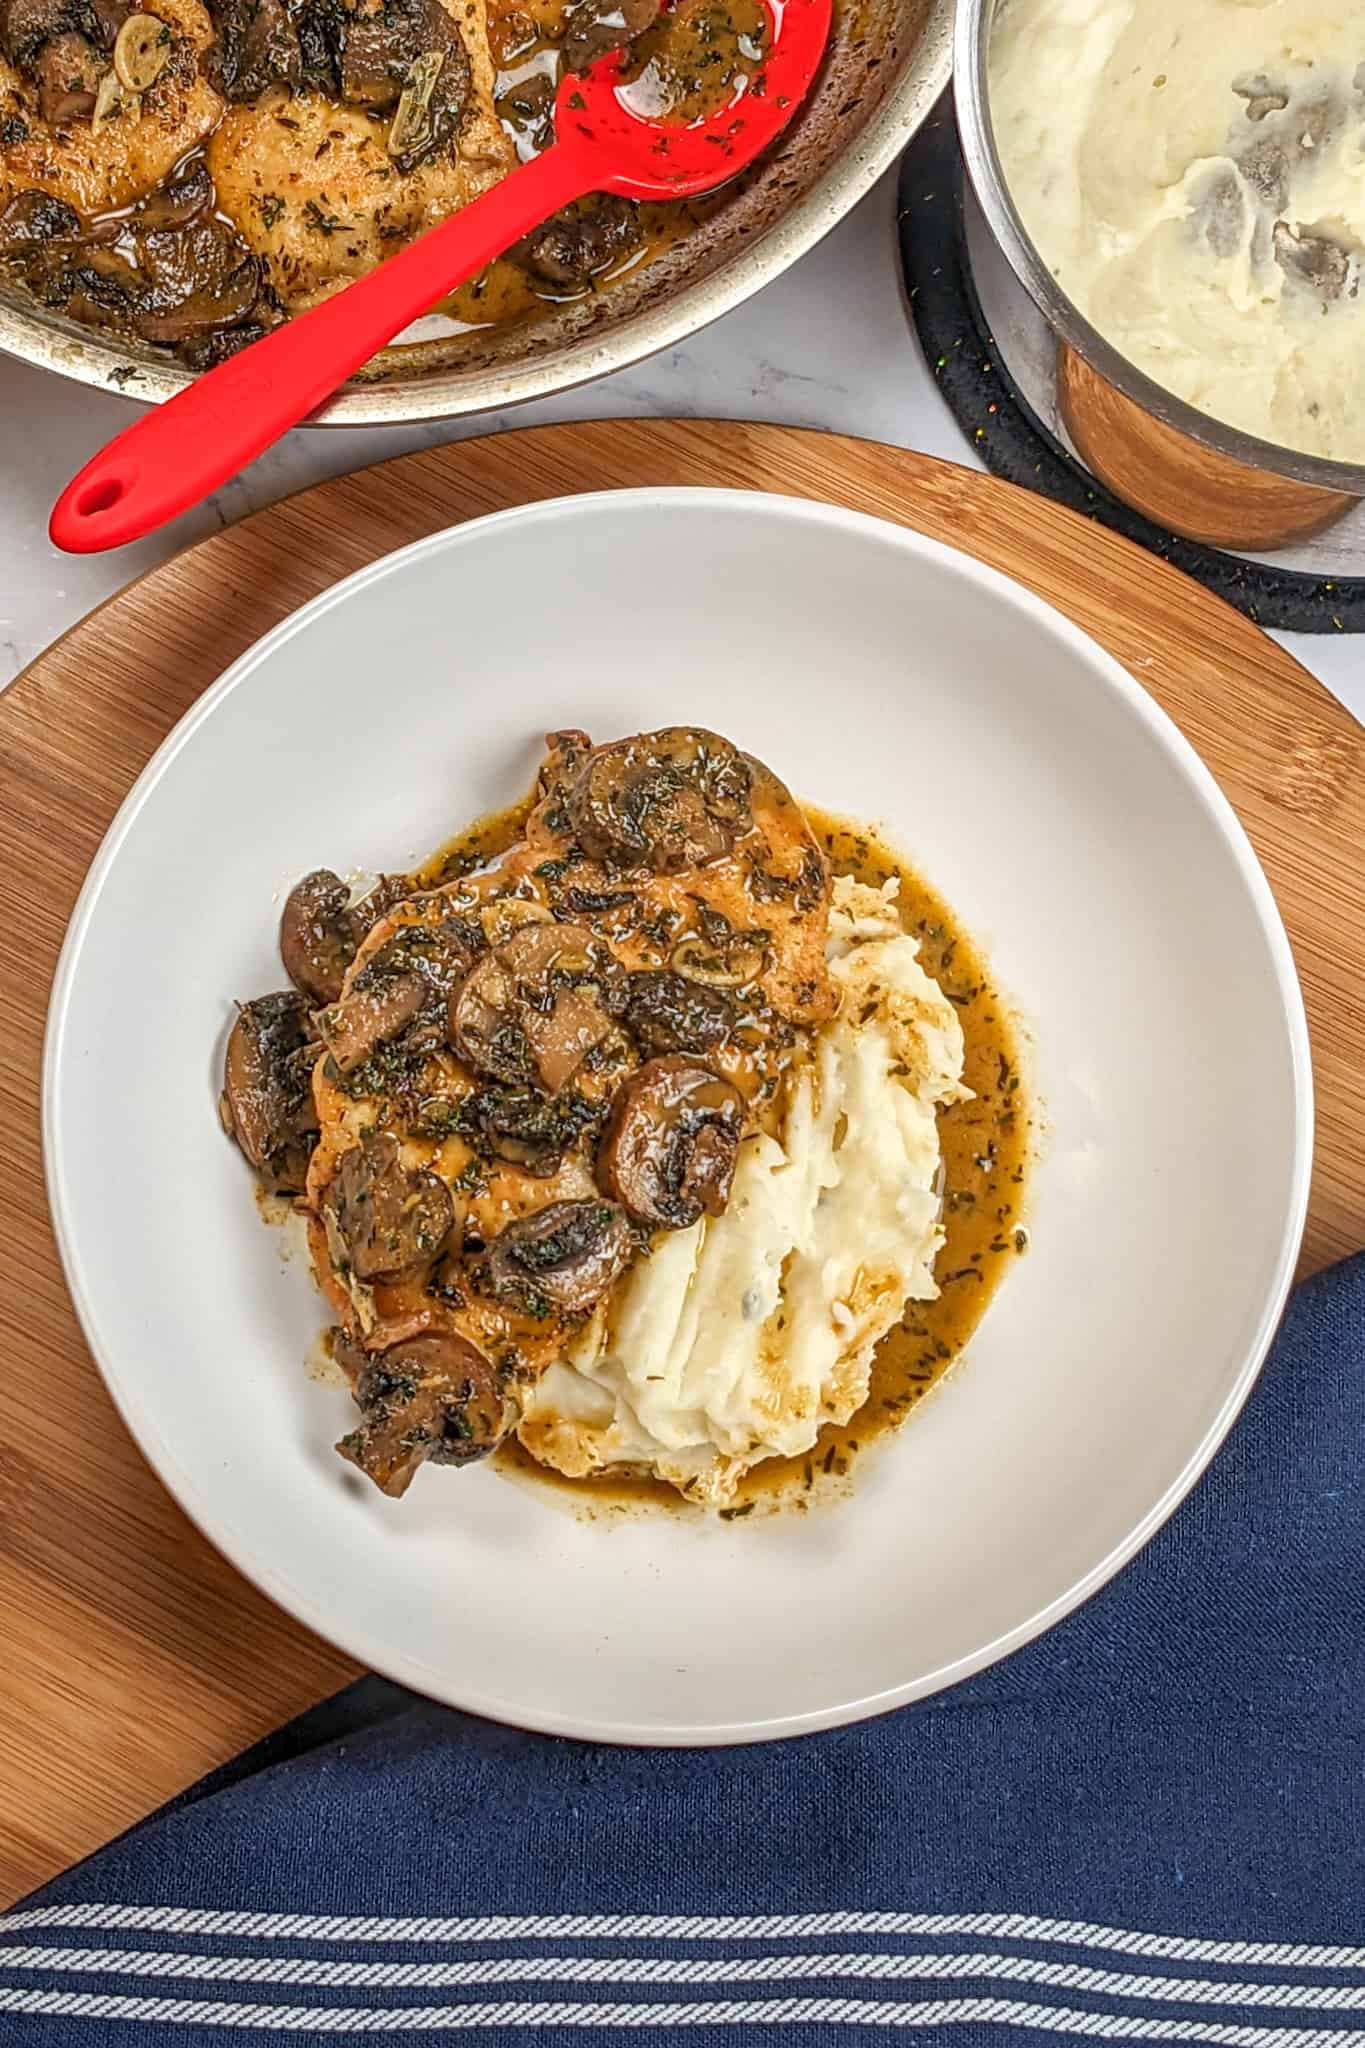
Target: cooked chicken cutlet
[[97, 168], [531, 1072], [313, 186]]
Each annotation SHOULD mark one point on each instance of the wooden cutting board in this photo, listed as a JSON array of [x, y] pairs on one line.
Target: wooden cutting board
[[134, 1658]]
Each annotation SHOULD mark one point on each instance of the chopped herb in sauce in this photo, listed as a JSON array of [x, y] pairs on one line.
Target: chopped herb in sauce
[[320, 222], [985, 1152]]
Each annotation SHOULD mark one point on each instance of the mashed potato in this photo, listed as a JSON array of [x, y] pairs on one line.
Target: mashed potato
[[1193, 172], [737, 1340]]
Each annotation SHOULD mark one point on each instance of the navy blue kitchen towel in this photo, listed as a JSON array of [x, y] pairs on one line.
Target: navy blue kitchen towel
[[1149, 1826]]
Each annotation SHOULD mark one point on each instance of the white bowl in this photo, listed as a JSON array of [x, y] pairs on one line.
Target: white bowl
[[1075, 832]]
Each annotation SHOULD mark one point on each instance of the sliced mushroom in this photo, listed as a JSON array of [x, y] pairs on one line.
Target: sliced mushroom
[[67, 73], [401, 991], [267, 1101], [527, 108], [670, 1013], [433, 1396], [368, 73], [33, 219], [721, 959], [221, 284], [523, 1126], [364, 53], [183, 198], [562, 1258], [93, 283], [527, 1011], [388, 1216], [321, 929], [102, 20], [410, 977], [669, 1149], [28, 26], [567, 251], [592, 27], [25, 25], [665, 800], [191, 276], [257, 46], [318, 935], [376, 1010], [206, 351]]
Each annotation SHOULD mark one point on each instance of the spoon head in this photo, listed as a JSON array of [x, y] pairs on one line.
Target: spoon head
[[649, 156]]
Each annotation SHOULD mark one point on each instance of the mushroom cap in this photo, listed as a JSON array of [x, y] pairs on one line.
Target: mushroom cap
[[389, 1217], [318, 936], [267, 1102], [665, 800], [430, 1396], [372, 1012], [669, 1148], [519, 1015], [561, 1257], [668, 1012]]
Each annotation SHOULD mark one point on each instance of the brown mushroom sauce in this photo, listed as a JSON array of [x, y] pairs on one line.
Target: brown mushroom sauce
[[551, 1055], [176, 269]]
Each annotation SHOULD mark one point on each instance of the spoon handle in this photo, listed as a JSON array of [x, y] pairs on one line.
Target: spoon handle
[[180, 452]]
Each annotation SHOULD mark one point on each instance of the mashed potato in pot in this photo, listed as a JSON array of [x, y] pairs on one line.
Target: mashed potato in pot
[[738, 1339], [1193, 172]]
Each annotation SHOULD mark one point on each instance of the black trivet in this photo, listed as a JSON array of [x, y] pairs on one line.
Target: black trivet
[[1012, 441]]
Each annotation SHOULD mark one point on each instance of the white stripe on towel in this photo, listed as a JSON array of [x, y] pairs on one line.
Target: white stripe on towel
[[683, 1927], [542, 1969], [779, 2012]]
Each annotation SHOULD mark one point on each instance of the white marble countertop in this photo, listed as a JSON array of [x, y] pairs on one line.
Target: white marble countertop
[[828, 345]]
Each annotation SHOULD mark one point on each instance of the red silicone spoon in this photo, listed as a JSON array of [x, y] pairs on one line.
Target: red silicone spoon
[[174, 456]]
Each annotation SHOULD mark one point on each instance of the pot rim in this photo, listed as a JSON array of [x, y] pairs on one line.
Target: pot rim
[[971, 92]]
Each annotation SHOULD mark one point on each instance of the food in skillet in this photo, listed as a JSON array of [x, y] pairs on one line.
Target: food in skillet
[[188, 174], [625, 1140]]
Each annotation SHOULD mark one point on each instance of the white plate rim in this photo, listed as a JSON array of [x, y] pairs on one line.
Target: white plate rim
[[259, 1570]]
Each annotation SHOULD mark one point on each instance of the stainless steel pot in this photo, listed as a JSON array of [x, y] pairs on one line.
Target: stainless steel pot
[[889, 61], [971, 86]]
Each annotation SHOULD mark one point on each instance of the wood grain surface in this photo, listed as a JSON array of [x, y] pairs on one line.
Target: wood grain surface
[[1179, 483], [134, 1658]]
